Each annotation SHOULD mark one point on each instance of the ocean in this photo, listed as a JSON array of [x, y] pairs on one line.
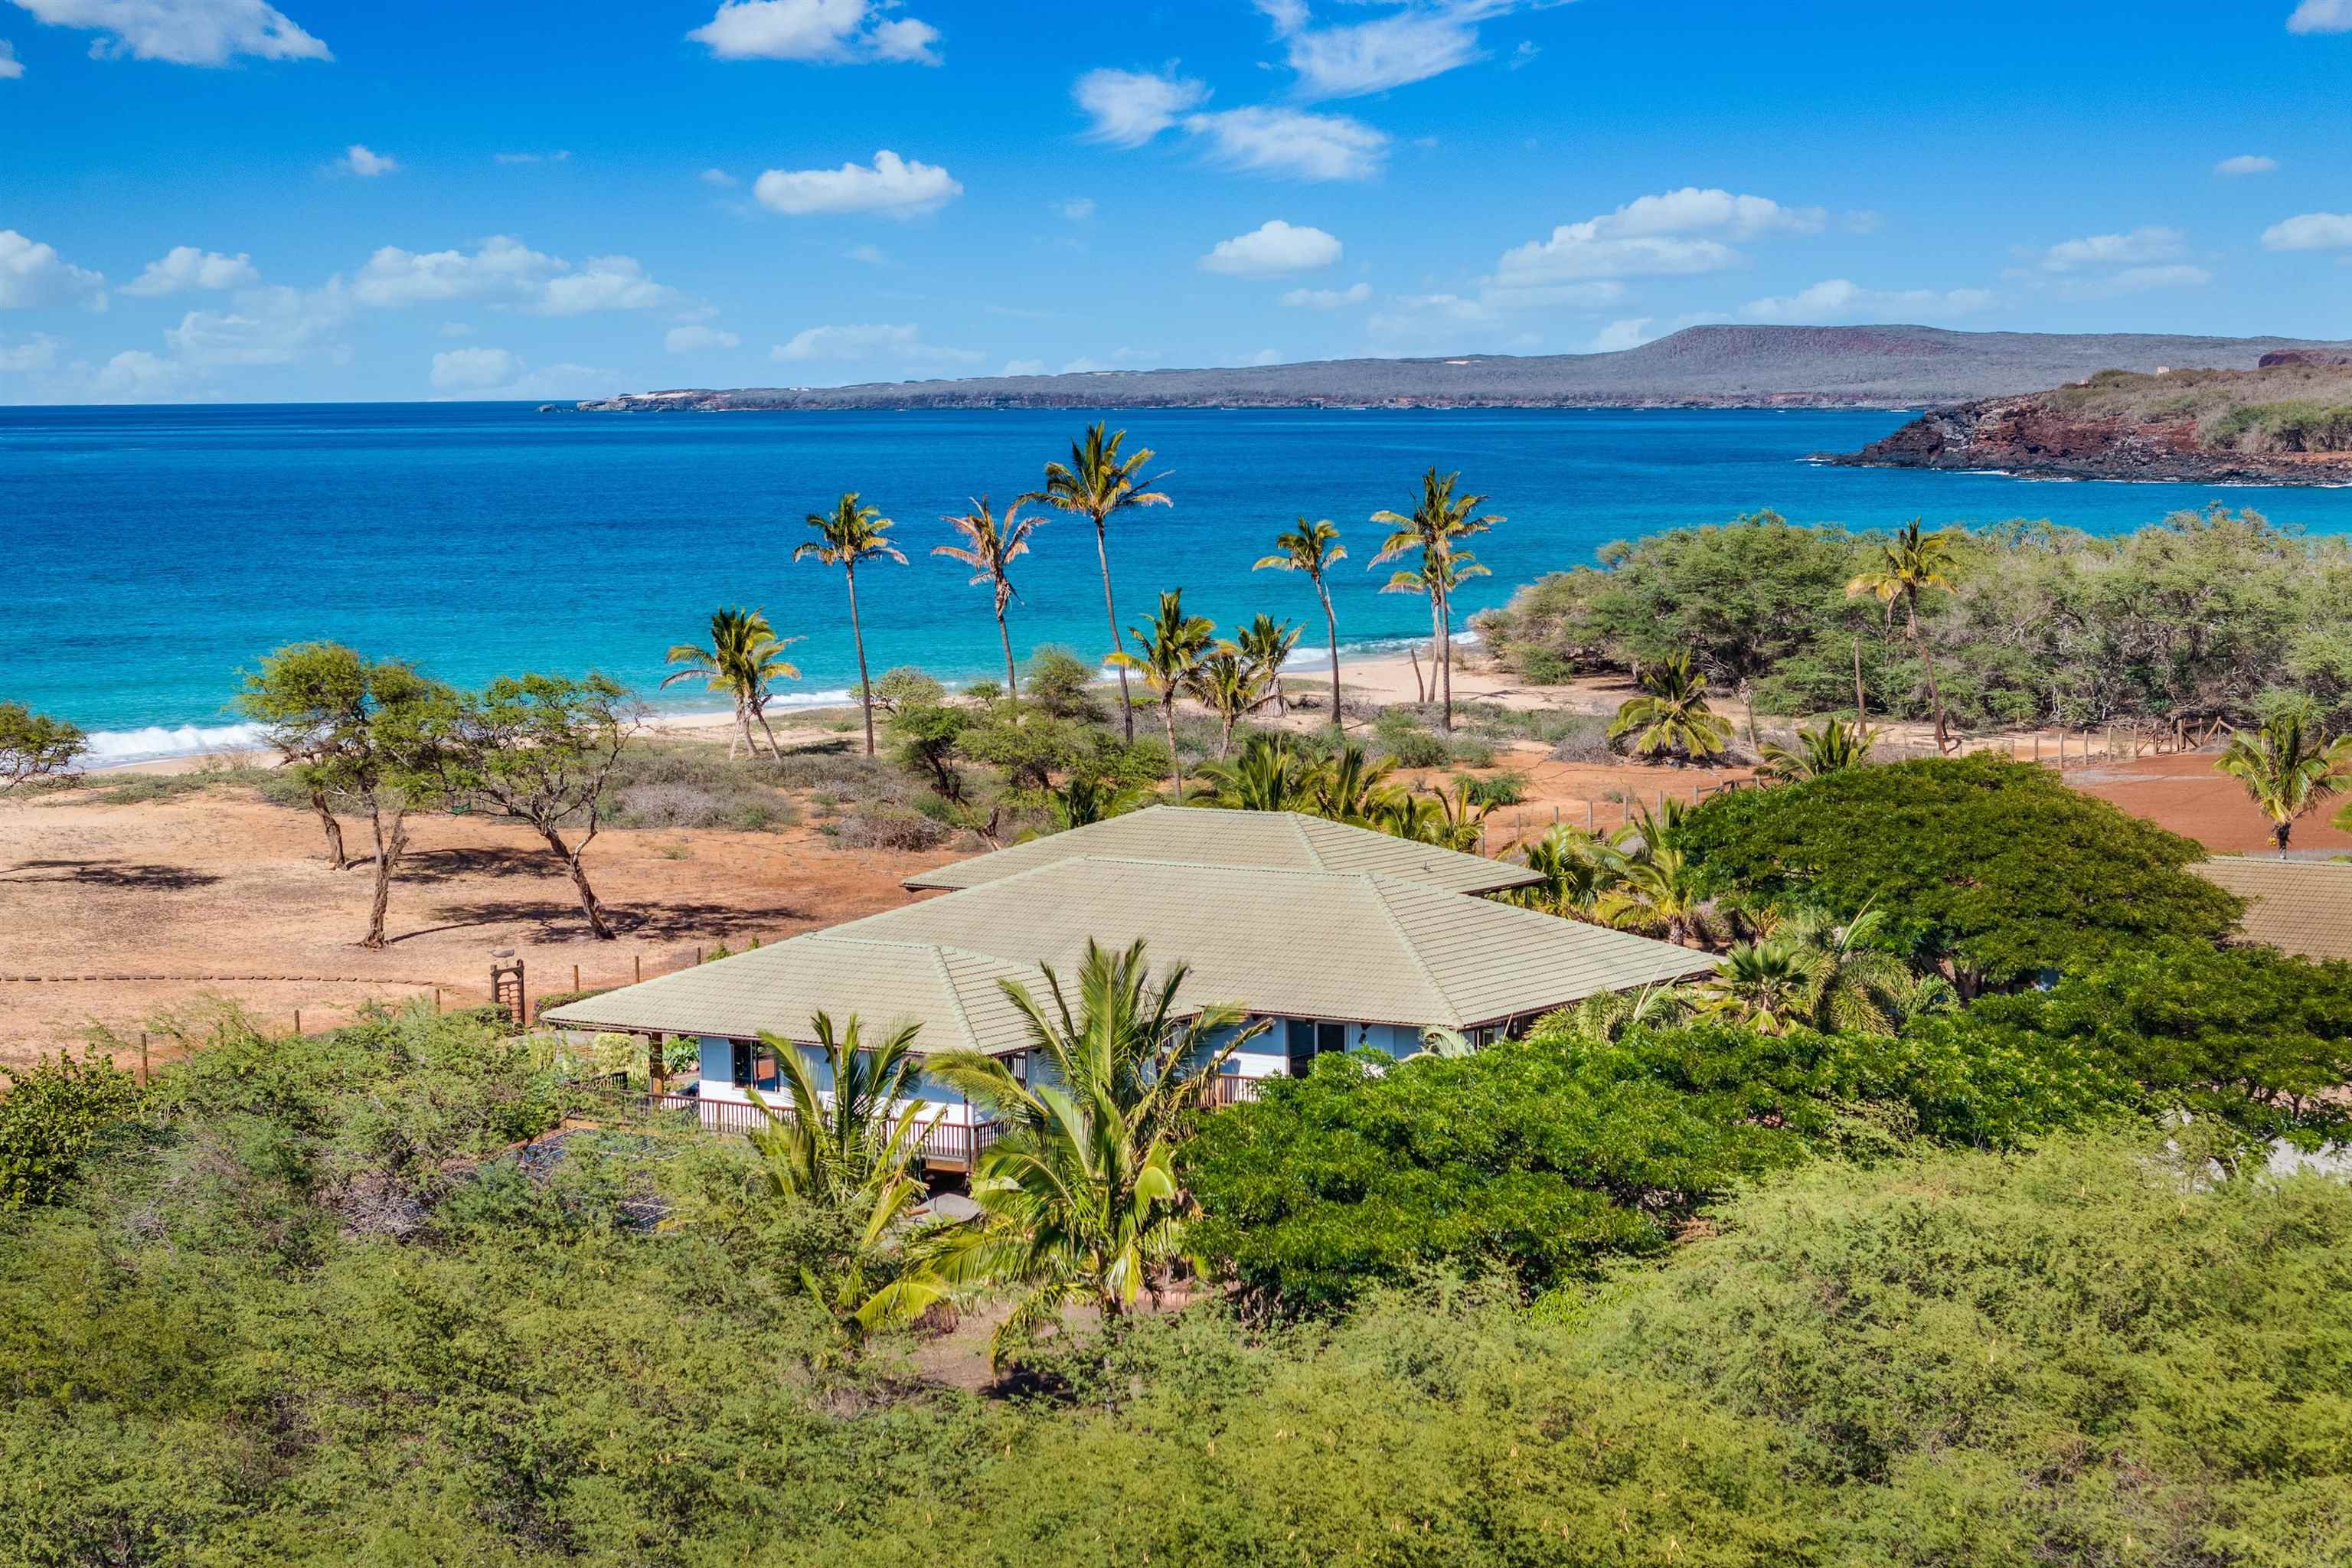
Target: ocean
[[151, 553]]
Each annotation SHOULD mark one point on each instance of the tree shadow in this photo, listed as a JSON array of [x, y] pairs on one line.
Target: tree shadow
[[135, 877], [448, 865], [559, 920]]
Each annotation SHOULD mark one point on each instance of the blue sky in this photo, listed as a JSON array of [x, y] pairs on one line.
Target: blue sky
[[221, 200]]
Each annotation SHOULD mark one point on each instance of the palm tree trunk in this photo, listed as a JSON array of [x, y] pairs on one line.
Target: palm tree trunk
[[742, 735], [1126, 707], [759, 710], [865, 686], [1004, 635], [336, 854], [1332, 622], [1445, 650], [1168, 717], [1935, 697]]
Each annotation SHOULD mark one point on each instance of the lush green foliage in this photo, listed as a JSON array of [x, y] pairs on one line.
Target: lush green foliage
[[2202, 617], [1995, 871], [34, 747], [55, 1114]]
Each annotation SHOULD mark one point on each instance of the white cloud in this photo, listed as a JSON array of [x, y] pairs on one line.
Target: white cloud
[[506, 268], [1023, 367], [694, 339], [824, 32], [1411, 45], [2140, 245], [901, 340], [11, 66], [34, 274], [893, 186], [185, 32], [2321, 16], [1130, 107], [2247, 163], [1327, 298], [274, 325], [1620, 335], [2309, 231], [1671, 233], [1291, 143], [367, 165], [38, 352], [1077, 209], [1273, 247], [719, 177], [1839, 299], [470, 370], [187, 267], [137, 376], [559, 157]]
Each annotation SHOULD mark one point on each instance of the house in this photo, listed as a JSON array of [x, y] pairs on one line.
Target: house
[[2300, 907], [1345, 938]]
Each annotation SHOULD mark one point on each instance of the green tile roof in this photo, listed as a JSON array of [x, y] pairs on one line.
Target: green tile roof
[[2302, 907]]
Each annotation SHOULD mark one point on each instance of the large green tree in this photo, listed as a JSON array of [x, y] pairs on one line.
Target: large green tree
[[1993, 871]]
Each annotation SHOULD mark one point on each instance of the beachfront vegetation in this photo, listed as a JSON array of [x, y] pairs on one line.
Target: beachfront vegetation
[[2203, 619], [35, 748], [846, 536], [1168, 652], [1097, 484], [1671, 720], [1435, 527], [745, 658], [990, 547], [2289, 768], [1313, 548]]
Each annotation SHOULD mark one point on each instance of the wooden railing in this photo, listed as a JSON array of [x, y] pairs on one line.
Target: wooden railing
[[950, 1144]]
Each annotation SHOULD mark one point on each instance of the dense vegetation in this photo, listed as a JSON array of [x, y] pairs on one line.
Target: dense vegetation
[[2202, 617]]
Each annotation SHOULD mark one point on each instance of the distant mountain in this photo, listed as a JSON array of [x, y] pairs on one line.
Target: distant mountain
[[2288, 421], [1725, 366]]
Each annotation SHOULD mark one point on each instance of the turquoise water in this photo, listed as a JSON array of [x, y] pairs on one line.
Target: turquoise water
[[152, 552]]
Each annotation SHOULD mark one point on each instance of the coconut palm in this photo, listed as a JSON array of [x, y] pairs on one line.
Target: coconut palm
[[1096, 484], [1313, 548], [745, 657], [1452, 819], [1437, 525], [1169, 647], [2288, 769], [1088, 798], [1836, 745], [1270, 775], [851, 1155], [1576, 867], [1657, 894], [1266, 644], [1352, 788], [846, 536], [1910, 564], [1230, 684], [990, 546], [1605, 1016], [1856, 988], [1079, 1200], [1671, 718]]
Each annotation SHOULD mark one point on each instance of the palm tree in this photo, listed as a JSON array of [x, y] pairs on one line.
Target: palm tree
[[1435, 579], [989, 547], [1910, 564], [1079, 1200], [1088, 798], [1657, 894], [1576, 867], [1171, 648], [1833, 747], [1439, 519], [2288, 769], [1095, 483], [1229, 684], [1766, 985], [744, 657], [846, 535], [1266, 644], [1270, 775], [1605, 1016], [852, 1154], [1856, 988], [1313, 548], [1671, 718], [1353, 789]]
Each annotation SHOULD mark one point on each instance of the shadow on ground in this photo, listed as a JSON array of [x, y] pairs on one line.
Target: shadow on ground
[[145, 879]]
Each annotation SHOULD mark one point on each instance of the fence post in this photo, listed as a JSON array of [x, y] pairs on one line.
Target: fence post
[[142, 1059], [637, 964], [575, 978], [436, 1001], [298, 1020]]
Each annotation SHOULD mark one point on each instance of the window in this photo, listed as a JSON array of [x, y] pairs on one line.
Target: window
[[1305, 1039]]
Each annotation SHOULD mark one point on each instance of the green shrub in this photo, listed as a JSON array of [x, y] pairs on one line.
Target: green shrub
[[1541, 666], [1061, 683], [542, 1006], [690, 785], [56, 1113], [1508, 788]]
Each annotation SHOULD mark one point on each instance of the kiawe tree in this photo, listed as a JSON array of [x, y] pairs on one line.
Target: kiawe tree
[[1097, 484], [356, 730], [744, 659], [1313, 548], [35, 746], [991, 544], [846, 536], [1168, 649], [536, 748]]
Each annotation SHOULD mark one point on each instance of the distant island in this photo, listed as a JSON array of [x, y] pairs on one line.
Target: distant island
[[1718, 366], [2288, 420]]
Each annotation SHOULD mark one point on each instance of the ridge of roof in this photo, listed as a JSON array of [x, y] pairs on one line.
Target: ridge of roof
[[1378, 887]]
